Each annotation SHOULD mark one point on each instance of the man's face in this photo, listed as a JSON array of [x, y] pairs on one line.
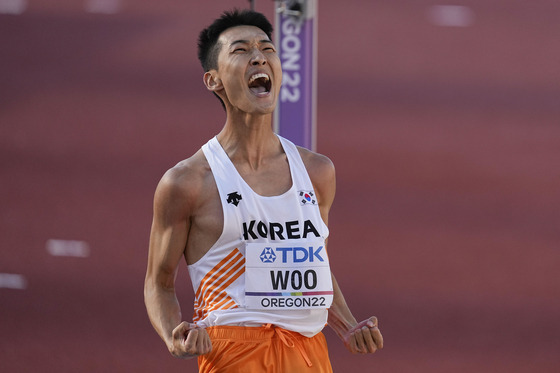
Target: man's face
[[249, 70]]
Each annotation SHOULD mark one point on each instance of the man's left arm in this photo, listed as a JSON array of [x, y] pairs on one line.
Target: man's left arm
[[359, 338], [363, 337]]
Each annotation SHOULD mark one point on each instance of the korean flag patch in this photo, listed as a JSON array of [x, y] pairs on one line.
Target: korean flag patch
[[307, 197]]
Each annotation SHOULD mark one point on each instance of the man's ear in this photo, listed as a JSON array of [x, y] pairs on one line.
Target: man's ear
[[211, 81]]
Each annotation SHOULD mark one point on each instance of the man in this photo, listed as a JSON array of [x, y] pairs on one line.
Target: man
[[249, 212]]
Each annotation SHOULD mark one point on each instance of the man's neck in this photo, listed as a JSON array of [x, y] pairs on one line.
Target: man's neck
[[249, 139]]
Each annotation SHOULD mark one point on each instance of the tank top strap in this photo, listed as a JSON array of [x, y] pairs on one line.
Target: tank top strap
[[300, 177], [225, 174]]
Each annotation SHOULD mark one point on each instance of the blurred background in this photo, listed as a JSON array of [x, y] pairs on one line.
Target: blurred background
[[442, 118]]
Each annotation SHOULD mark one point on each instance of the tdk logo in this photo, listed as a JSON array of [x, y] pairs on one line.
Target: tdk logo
[[267, 255], [292, 254]]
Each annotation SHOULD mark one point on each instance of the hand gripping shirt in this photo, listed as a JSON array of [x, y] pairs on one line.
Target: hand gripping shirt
[[269, 265]]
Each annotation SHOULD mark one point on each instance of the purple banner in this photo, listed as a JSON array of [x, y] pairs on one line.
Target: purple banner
[[295, 113]]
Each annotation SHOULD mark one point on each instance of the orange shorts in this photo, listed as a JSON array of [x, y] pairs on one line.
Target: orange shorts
[[267, 349]]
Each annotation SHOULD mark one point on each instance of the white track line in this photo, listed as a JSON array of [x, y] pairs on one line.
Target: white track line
[[73, 248], [103, 6], [12, 281], [13, 6], [451, 15]]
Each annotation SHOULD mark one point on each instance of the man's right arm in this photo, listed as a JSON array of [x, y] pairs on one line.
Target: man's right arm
[[173, 203]]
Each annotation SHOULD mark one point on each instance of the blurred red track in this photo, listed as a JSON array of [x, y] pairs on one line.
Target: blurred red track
[[445, 139]]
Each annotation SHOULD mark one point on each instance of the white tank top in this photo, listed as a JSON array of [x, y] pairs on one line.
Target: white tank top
[[218, 278]]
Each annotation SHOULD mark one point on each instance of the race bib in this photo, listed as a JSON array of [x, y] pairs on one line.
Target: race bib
[[278, 276]]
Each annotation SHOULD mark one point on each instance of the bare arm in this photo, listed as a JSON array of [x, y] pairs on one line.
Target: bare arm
[[363, 337], [170, 229]]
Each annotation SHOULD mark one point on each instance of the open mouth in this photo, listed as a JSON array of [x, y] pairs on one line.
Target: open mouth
[[260, 84]]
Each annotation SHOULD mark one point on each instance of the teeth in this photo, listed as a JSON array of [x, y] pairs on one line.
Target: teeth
[[257, 76]]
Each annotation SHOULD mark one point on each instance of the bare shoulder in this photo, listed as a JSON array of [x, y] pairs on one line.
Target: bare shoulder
[[184, 184], [319, 167], [322, 174], [188, 207]]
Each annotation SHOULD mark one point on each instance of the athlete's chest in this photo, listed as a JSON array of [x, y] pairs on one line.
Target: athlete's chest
[[272, 178]]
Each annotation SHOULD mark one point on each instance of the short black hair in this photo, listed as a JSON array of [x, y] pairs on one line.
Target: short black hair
[[208, 46]]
